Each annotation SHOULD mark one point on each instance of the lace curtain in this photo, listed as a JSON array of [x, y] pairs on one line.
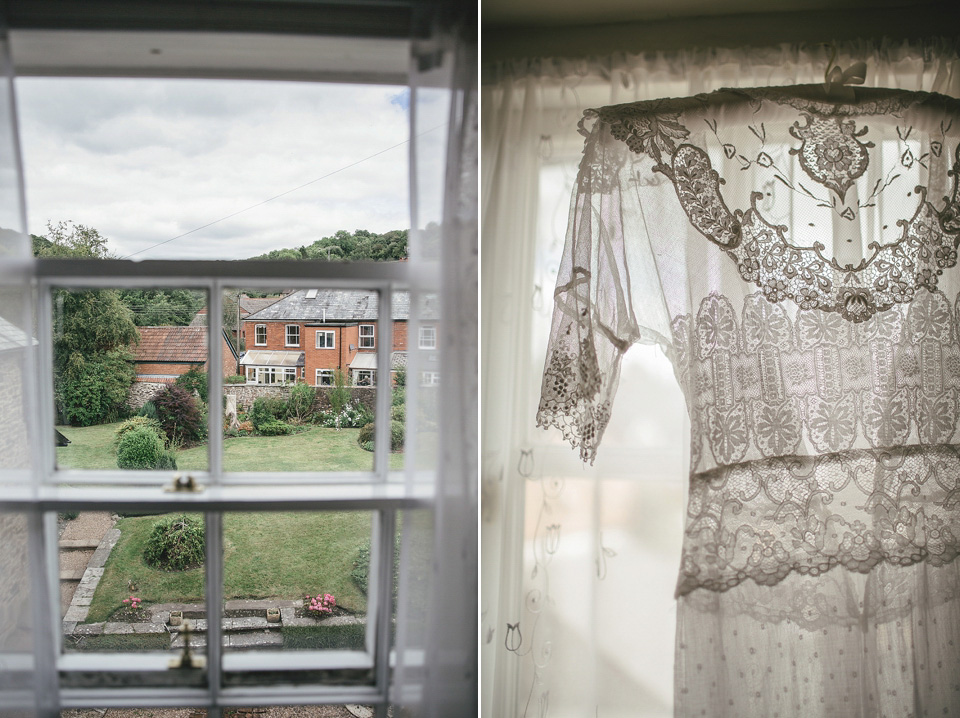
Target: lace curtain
[[579, 563]]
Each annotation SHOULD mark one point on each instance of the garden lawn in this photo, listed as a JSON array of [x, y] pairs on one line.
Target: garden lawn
[[266, 555], [316, 449]]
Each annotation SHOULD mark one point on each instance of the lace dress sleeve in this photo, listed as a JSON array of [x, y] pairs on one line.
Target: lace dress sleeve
[[607, 296]]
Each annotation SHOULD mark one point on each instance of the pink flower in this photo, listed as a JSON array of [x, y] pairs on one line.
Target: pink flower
[[126, 600]]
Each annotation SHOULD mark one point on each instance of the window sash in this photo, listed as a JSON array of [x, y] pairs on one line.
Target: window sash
[[291, 330], [260, 335], [428, 338], [324, 377], [304, 491], [367, 336], [326, 339]]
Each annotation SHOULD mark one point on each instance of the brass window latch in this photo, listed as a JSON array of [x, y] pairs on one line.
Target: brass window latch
[[183, 484], [187, 659]]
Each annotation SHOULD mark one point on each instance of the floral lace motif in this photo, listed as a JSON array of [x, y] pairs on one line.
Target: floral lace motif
[[763, 520], [830, 153], [766, 385]]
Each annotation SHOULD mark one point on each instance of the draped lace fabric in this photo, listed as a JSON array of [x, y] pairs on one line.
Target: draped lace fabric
[[795, 257]]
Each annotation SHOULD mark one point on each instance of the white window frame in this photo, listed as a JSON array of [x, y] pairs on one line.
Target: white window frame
[[329, 339], [429, 378], [322, 373], [286, 335], [427, 338], [367, 340], [355, 375], [47, 490], [256, 335]]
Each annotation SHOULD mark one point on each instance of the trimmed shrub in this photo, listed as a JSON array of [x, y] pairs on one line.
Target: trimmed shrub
[[399, 396], [300, 403], [267, 409], [361, 566], [140, 448], [366, 436], [194, 380], [396, 435], [400, 377], [176, 543], [180, 417], [149, 410], [399, 413], [136, 422], [274, 428], [235, 379]]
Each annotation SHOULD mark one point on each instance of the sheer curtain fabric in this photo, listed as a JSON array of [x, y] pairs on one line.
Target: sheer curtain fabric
[[640, 268]]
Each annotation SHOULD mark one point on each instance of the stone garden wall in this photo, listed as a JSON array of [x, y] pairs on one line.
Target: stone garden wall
[[246, 394], [141, 392]]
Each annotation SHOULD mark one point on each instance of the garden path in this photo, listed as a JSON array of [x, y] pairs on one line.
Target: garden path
[[89, 527]]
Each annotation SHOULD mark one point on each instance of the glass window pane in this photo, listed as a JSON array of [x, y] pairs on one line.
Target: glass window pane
[[131, 582], [296, 581], [130, 376], [217, 169], [306, 390]]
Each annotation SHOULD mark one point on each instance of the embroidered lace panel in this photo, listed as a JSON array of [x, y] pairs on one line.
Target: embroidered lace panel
[[795, 258]]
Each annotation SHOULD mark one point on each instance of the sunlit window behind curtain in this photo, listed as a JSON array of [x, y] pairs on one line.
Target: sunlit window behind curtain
[[579, 563]]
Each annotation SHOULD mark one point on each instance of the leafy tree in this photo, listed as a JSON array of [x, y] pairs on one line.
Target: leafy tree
[[194, 380], [346, 246], [66, 239], [162, 307], [93, 366], [180, 416]]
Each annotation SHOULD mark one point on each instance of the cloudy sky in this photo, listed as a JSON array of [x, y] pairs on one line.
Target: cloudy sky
[[144, 161]]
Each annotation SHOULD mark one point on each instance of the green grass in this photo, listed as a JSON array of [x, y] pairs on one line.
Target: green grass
[[316, 449], [266, 555], [349, 637]]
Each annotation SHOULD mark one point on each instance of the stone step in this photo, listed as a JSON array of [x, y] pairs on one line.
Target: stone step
[[71, 574], [78, 543], [251, 639], [244, 623]]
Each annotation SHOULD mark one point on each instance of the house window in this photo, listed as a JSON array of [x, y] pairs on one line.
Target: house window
[[228, 496], [290, 375], [325, 339], [428, 337], [429, 378], [366, 336], [324, 377], [292, 335], [364, 377]]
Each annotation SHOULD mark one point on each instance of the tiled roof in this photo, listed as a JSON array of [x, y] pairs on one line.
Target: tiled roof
[[183, 344], [255, 304], [332, 305]]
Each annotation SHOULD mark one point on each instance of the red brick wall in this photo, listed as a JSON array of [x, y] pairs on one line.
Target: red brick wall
[[337, 358], [228, 359], [161, 368]]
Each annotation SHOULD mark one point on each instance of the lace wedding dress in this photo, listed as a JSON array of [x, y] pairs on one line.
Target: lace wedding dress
[[795, 258]]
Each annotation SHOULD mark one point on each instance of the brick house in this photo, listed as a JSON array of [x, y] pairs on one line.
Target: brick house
[[311, 333], [166, 353]]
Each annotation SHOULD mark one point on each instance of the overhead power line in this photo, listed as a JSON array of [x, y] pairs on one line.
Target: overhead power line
[[278, 196]]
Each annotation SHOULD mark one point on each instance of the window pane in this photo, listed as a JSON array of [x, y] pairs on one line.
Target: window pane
[[217, 169], [296, 581], [304, 407], [130, 581], [130, 376]]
